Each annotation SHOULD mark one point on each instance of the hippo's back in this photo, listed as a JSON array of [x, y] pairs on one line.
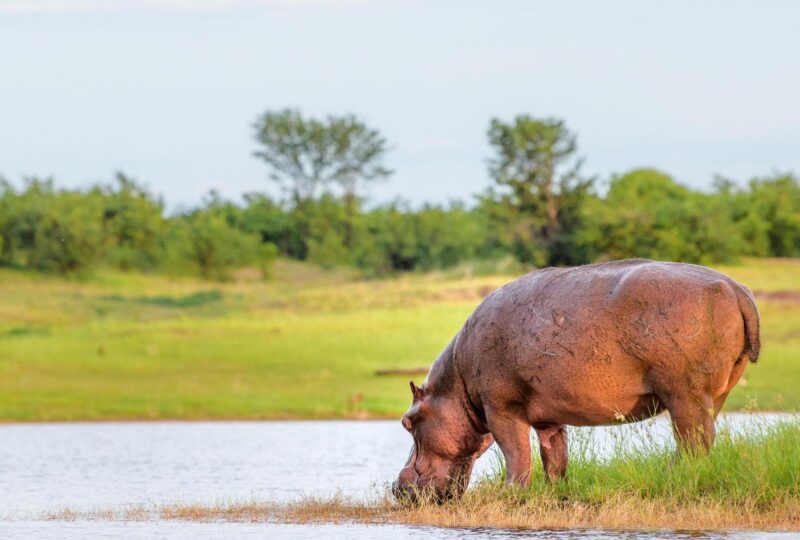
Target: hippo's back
[[607, 324]]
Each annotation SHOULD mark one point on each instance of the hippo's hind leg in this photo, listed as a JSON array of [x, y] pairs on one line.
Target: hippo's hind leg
[[553, 449], [736, 373], [692, 421]]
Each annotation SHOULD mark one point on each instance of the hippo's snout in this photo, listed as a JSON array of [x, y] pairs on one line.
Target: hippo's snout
[[405, 487], [411, 488]]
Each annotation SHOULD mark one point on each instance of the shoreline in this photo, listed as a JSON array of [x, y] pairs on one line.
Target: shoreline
[[285, 419], [619, 514]]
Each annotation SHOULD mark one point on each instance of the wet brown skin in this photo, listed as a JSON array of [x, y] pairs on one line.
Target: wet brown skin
[[586, 346]]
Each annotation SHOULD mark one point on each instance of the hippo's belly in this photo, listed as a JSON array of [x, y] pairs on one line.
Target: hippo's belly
[[596, 391]]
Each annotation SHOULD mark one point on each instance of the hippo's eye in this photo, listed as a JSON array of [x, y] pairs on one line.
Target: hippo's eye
[[406, 423]]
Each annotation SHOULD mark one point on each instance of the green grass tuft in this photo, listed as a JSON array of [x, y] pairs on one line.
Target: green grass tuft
[[755, 468]]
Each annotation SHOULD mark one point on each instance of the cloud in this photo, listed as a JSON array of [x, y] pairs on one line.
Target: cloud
[[68, 6]]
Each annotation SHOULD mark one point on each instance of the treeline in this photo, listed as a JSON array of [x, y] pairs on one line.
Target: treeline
[[540, 209], [121, 225], [644, 213]]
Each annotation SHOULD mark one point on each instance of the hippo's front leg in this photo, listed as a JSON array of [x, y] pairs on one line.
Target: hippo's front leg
[[512, 435]]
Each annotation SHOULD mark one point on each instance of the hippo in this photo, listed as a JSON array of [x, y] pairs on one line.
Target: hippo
[[592, 345]]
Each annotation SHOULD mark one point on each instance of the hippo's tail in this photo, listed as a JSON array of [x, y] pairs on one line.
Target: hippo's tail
[[752, 324]]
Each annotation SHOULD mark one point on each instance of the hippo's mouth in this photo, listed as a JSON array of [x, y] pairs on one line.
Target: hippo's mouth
[[433, 480], [449, 487], [434, 488], [458, 480]]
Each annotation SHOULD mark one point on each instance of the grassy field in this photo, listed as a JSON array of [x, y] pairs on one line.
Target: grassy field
[[305, 344]]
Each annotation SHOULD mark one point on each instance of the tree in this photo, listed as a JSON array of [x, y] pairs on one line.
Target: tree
[[295, 148], [647, 214], [268, 219], [21, 212], [393, 243], [537, 173], [309, 153], [68, 235], [47, 229], [358, 159], [776, 200], [212, 246], [133, 223]]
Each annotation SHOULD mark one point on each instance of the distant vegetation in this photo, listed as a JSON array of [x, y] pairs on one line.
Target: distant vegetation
[[540, 209]]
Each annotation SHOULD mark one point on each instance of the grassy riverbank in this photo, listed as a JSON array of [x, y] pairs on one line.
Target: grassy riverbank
[[305, 344], [749, 481]]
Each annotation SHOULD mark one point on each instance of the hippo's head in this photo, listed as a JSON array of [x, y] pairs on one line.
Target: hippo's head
[[446, 446]]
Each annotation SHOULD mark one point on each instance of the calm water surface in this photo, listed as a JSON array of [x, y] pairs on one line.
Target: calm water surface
[[247, 531], [45, 468]]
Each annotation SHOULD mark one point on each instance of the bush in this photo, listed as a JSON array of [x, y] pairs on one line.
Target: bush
[[67, 235], [133, 224], [49, 230], [211, 247], [645, 213]]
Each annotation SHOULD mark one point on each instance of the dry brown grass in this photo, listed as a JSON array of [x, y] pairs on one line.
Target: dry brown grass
[[501, 513], [620, 513]]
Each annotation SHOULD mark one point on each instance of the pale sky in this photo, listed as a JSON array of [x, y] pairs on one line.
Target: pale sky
[[167, 90]]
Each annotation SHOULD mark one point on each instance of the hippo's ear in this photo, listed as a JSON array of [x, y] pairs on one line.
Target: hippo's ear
[[416, 391]]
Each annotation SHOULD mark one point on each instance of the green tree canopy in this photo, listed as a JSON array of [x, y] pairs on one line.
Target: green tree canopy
[[538, 188], [647, 214], [133, 223], [308, 153]]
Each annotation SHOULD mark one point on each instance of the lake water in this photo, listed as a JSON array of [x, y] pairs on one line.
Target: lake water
[[45, 468]]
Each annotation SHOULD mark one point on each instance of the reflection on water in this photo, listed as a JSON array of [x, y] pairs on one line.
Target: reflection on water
[[95, 466], [31, 530]]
